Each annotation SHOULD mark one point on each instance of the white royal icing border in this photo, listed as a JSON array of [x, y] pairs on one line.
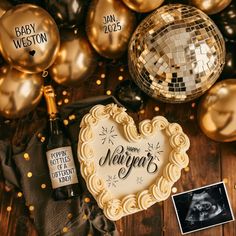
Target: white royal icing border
[[115, 208]]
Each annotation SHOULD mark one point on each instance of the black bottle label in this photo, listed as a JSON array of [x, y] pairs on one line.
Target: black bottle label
[[61, 167]]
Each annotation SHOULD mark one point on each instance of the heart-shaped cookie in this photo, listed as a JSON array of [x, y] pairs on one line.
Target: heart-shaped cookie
[[125, 170]]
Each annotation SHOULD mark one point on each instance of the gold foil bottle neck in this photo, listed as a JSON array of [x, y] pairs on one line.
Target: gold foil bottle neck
[[50, 98]]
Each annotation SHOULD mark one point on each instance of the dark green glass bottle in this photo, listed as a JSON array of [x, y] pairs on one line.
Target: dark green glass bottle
[[59, 153]]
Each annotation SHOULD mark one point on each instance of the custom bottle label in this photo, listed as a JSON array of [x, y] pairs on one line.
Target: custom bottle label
[[61, 167]]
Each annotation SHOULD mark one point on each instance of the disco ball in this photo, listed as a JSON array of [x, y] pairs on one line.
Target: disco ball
[[176, 53]]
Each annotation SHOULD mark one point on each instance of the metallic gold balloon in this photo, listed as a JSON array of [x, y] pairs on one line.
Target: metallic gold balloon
[[109, 27], [29, 38], [217, 112], [4, 6], [143, 5], [176, 53], [19, 92], [76, 61], [210, 6]]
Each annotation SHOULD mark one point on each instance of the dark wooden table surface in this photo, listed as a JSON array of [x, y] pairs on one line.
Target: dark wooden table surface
[[210, 162]]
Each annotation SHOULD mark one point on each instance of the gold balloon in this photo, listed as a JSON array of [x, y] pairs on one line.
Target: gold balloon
[[217, 112], [210, 6], [29, 38], [19, 92], [76, 61], [143, 5], [109, 27], [4, 6]]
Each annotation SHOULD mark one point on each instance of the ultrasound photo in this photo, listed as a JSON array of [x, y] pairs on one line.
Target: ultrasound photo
[[202, 208]]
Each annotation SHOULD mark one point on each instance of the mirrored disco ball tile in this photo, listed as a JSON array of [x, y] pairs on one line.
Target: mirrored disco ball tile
[[176, 53]]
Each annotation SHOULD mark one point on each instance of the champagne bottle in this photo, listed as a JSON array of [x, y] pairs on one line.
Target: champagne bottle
[[59, 153]]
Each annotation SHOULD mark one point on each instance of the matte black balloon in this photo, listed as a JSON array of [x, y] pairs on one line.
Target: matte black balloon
[[226, 21], [130, 96], [67, 13], [230, 61]]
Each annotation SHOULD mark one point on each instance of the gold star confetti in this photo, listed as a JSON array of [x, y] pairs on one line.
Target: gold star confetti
[[87, 200], [98, 82], [26, 156], [43, 186], [65, 229], [108, 92], [19, 194], [29, 174], [9, 208], [31, 208], [174, 190]]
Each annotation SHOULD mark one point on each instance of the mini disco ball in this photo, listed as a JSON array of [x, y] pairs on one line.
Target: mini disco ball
[[176, 53]]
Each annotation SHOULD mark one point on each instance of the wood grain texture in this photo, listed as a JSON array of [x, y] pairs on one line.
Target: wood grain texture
[[210, 162]]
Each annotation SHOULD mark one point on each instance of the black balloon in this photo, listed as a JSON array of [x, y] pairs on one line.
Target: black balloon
[[226, 21], [230, 61], [67, 13], [130, 96]]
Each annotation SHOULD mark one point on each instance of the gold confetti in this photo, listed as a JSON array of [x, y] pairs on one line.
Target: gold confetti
[[156, 108], [85, 217], [64, 93], [29, 174], [121, 69], [66, 100], [69, 216], [39, 135], [225, 180], [142, 111], [87, 200], [19, 194], [103, 76], [120, 77], [174, 190], [186, 169], [26, 156], [31, 208], [59, 103], [9, 208], [42, 139], [66, 122], [191, 117], [98, 82], [108, 92], [65, 229], [43, 186], [72, 117]]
